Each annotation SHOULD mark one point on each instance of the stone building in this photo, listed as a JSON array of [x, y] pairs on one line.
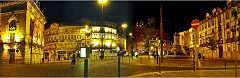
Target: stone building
[[219, 29], [21, 32], [64, 39]]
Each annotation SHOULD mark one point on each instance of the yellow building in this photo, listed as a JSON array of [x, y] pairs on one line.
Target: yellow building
[[62, 39], [184, 40], [216, 27], [21, 32]]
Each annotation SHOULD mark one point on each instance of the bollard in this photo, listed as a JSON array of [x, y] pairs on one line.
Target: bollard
[[122, 59], [141, 60], [159, 65], [85, 67], [118, 65], [129, 59], [225, 65]]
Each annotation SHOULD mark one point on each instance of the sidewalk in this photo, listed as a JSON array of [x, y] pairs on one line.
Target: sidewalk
[[190, 73], [79, 60], [145, 61]]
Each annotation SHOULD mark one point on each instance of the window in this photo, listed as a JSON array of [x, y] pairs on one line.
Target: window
[[227, 14], [213, 22], [12, 37], [65, 37], [234, 47], [219, 20], [193, 37], [234, 34], [219, 28], [82, 44], [229, 48], [13, 25], [238, 22], [206, 25], [228, 25], [228, 35], [79, 36]]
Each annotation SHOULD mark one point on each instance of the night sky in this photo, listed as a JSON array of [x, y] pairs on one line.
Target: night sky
[[177, 15]]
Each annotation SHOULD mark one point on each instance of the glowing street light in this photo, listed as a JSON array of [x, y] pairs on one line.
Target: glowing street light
[[102, 2], [131, 37], [130, 34], [124, 25]]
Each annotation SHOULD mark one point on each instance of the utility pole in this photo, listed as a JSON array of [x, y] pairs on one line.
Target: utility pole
[[195, 25], [161, 33]]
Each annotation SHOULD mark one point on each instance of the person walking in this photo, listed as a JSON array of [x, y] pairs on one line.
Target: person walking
[[73, 59], [42, 60], [200, 64]]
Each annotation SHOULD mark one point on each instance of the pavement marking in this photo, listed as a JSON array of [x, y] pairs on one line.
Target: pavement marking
[[149, 73], [142, 74]]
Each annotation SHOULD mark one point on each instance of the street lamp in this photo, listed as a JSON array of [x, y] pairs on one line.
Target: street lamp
[[124, 26], [102, 2], [130, 34], [87, 33]]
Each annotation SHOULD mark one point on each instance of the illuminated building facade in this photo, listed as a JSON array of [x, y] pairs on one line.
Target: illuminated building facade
[[63, 39], [186, 40], [143, 34], [217, 28], [21, 32]]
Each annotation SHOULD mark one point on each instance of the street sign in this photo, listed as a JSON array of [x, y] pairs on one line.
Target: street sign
[[195, 23], [83, 52]]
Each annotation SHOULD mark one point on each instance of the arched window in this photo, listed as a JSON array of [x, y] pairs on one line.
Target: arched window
[[13, 25]]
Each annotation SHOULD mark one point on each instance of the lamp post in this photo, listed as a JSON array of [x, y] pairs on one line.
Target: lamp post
[[87, 33], [124, 26], [130, 34], [102, 2]]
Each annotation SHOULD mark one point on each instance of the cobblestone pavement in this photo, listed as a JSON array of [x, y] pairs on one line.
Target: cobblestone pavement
[[189, 73], [138, 67]]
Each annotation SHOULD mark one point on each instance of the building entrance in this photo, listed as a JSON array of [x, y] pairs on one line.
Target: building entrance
[[11, 56], [220, 51]]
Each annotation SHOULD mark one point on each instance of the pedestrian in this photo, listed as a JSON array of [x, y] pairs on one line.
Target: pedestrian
[[199, 56], [42, 60], [73, 59]]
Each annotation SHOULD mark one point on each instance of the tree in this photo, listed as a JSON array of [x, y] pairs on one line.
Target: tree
[[212, 43]]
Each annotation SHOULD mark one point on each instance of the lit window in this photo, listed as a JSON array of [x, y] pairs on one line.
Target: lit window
[[227, 14], [12, 25]]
